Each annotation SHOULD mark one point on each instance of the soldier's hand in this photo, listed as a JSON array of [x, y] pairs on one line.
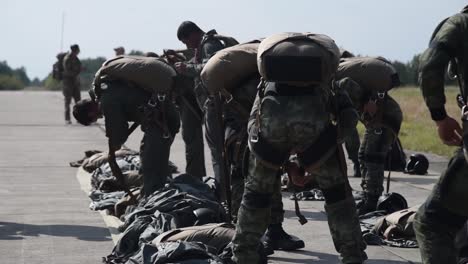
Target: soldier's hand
[[297, 174], [180, 67], [449, 131]]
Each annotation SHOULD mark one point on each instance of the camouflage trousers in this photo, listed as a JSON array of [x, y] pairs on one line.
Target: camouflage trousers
[[192, 133], [443, 214], [70, 90], [352, 144], [372, 155], [255, 211]]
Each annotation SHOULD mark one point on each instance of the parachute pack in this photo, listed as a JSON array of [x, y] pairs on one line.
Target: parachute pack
[[148, 73], [57, 67], [230, 67]]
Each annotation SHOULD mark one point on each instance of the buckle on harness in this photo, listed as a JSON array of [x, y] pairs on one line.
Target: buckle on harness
[[229, 99], [152, 103], [161, 97], [381, 95], [464, 113], [254, 136], [166, 135], [378, 131]]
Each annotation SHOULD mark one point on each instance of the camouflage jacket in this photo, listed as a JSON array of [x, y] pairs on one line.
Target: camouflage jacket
[[448, 42], [71, 66]]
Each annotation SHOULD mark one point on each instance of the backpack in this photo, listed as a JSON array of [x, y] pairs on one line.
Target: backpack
[[298, 59], [225, 40], [57, 67], [230, 67]]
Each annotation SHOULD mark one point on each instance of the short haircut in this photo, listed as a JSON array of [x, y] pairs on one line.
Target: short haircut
[[81, 111], [75, 47], [186, 28], [151, 54]]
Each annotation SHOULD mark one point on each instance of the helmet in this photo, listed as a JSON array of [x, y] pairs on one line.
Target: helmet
[[417, 164], [391, 202], [205, 216]]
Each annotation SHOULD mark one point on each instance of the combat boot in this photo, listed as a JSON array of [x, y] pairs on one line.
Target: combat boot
[[356, 169], [277, 238], [368, 204]]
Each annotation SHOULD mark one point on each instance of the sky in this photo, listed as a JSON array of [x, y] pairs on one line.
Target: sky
[[31, 29]]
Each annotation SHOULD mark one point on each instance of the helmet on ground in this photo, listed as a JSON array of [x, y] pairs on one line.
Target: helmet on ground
[[417, 164], [391, 202]]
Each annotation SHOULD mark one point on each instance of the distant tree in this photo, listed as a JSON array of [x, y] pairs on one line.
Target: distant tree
[[21, 74], [51, 84], [136, 53], [91, 66], [12, 79], [10, 82], [36, 82]]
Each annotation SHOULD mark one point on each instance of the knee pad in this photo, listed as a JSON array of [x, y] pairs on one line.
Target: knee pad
[[253, 199], [336, 193]]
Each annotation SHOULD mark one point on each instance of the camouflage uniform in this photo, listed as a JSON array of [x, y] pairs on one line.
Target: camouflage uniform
[[71, 81], [445, 210], [122, 103], [295, 121], [381, 129], [208, 47], [192, 133], [352, 144]]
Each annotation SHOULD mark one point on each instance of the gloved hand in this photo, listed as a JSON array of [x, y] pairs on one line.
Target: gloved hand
[[449, 131]]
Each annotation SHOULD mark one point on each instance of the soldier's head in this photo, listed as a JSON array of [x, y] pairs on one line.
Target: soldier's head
[[119, 51], [345, 54], [86, 112], [151, 54], [465, 9], [190, 34], [75, 49]]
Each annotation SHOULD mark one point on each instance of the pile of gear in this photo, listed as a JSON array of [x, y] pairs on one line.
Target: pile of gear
[[180, 223]]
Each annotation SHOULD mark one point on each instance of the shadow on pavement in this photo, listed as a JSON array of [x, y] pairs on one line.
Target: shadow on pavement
[[16, 231], [316, 257], [314, 216]]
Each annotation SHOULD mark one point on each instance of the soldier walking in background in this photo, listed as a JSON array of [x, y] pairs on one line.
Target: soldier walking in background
[[119, 51], [446, 209], [71, 80]]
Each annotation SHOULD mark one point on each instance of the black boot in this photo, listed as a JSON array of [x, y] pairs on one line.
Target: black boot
[[356, 169], [277, 238], [368, 204]]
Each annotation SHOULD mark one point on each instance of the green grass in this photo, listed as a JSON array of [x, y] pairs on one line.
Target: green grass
[[418, 131]]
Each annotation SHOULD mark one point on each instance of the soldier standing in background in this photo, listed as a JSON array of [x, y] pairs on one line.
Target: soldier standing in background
[[119, 51], [446, 209], [71, 80]]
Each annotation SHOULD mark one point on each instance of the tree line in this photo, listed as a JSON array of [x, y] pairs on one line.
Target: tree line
[[17, 79]]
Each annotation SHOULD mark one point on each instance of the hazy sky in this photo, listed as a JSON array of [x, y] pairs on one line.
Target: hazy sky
[[31, 29]]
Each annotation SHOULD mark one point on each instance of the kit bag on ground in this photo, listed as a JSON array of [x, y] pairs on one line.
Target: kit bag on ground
[[57, 68], [396, 158], [397, 225]]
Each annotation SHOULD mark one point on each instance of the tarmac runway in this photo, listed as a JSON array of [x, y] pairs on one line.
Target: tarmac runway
[[44, 215]]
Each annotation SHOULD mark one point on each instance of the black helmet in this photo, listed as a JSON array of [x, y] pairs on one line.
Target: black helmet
[[417, 164], [205, 216], [391, 202]]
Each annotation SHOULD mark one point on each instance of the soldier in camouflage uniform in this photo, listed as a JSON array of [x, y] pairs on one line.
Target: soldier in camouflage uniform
[[293, 115], [120, 102], [206, 45], [237, 103], [71, 79], [380, 113], [446, 209]]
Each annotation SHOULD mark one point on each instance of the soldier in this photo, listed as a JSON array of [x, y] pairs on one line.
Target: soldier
[[292, 115], [206, 45], [124, 95], [119, 51], [233, 73], [381, 115], [71, 81], [446, 209], [352, 142], [191, 118]]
